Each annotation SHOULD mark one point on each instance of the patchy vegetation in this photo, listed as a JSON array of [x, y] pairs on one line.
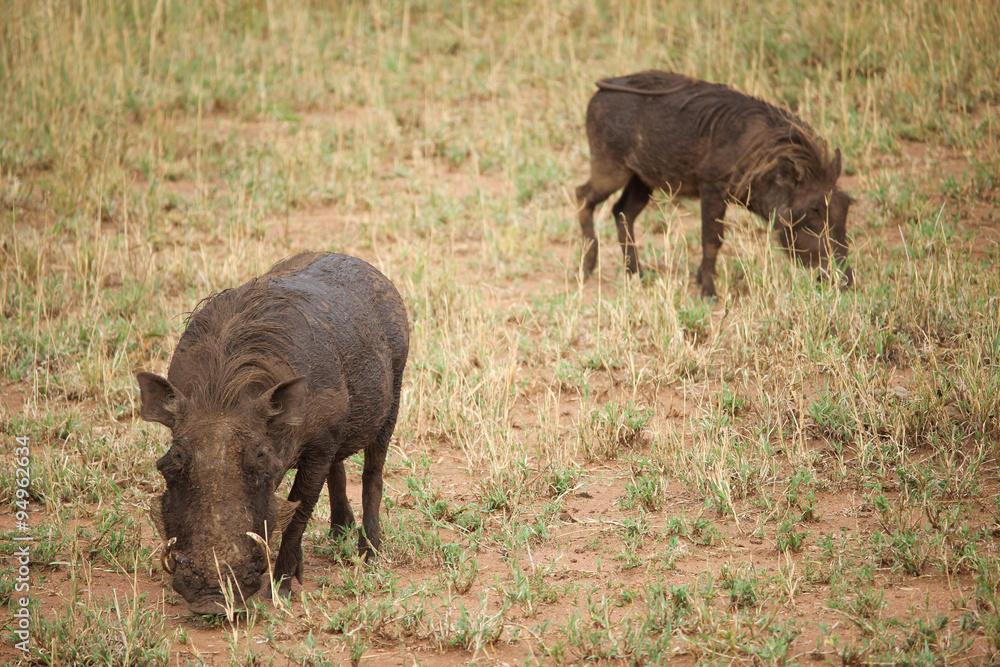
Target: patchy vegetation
[[614, 471]]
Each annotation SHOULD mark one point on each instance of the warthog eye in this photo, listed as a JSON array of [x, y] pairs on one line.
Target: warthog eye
[[261, 465]]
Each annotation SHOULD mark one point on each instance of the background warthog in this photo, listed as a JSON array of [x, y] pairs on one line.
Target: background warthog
[[299, 368], [696, 139]]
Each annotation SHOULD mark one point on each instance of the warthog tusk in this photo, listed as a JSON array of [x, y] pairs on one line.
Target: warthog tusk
[[259, 540], [166, 552]]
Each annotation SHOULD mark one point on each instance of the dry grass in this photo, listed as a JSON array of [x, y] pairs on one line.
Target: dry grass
[[604, 472]]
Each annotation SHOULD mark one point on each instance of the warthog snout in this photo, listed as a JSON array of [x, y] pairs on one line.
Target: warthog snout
[[211, 582]]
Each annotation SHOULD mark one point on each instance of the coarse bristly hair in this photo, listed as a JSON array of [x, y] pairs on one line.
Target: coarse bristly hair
[[240, 336], [789, 141]]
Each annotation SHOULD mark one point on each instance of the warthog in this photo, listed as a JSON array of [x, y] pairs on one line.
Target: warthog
[[298, 368], [695, 139]]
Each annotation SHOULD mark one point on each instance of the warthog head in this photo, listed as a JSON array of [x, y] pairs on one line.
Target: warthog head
[[813, 227], [219, 509]]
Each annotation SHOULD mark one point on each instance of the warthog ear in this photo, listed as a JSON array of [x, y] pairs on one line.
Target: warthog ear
[[788, 174], [159, 399], [285, 403], [286, 510], [834, 170], [800, 172]]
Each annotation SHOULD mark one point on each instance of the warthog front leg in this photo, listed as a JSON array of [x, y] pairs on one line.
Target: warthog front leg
[[713, 209], [308, 483]]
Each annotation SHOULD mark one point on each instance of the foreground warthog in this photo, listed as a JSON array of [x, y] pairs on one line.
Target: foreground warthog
[[696, 139], [299, 368]]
